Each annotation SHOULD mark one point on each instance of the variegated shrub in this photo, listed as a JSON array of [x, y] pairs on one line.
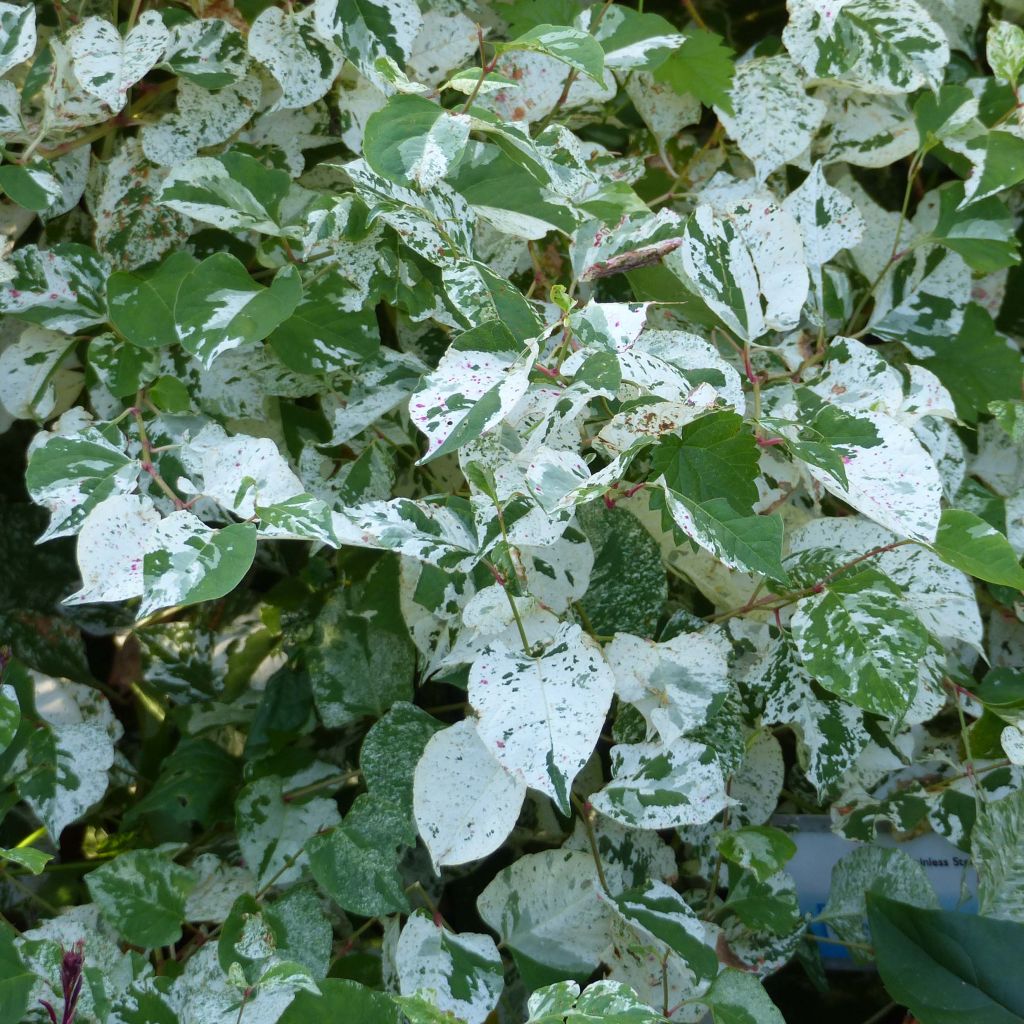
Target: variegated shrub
[[497, 455]]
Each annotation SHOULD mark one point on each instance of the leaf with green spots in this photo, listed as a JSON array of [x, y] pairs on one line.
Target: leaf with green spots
[[861, 642], [461, 974], [142, 894], [760, 849]]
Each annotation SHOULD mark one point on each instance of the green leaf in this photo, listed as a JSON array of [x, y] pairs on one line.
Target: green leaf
[[970, 544], [580, 50], [340, 999], [367, 30], [702, 67], [976, 366], [415, 142], [32, 186], [861, 642], [947, 967], [715, 456], [760, 849], [122, 367], [982, 232], [10, 718], [998, 159], [737, 997], [219, 306], [27, 857], [357, 862], [141, 302], [142, 895], [323, 335], [361, 662]]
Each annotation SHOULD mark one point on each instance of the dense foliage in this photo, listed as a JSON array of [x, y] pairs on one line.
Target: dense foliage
[[495, 457]]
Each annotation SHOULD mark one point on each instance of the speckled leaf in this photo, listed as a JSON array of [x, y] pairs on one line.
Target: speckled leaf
[[60, 288], [17, 34], [1004, 50], [219, 306], [69, 757], [142, 895], [541, 716], [428, 532], [287, 45], [922, 298], [38, 375], [273, 831], [673, 684], [464, 801], [71, 475], [239, 472], [546, 907], [886, 46], [208, 52], [860, 641], [187, 562], [460, 974], [106, 65], [998, 855], [367, 30], [773, 119], [871, 869], [477, 382], [657, 786]]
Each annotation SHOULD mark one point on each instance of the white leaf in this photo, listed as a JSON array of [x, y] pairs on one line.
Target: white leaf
[[865, 130], [239, 472], [461, 974], [203, 118], [38, 374], [71, 775], [883, 46], [111, 549], [273, 830], [541, 716], [773, 119], [17, 34], [659, 786], [547, 907], [106, 65], [673, 684], [829, 220], [287, 45], [464, 802]]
